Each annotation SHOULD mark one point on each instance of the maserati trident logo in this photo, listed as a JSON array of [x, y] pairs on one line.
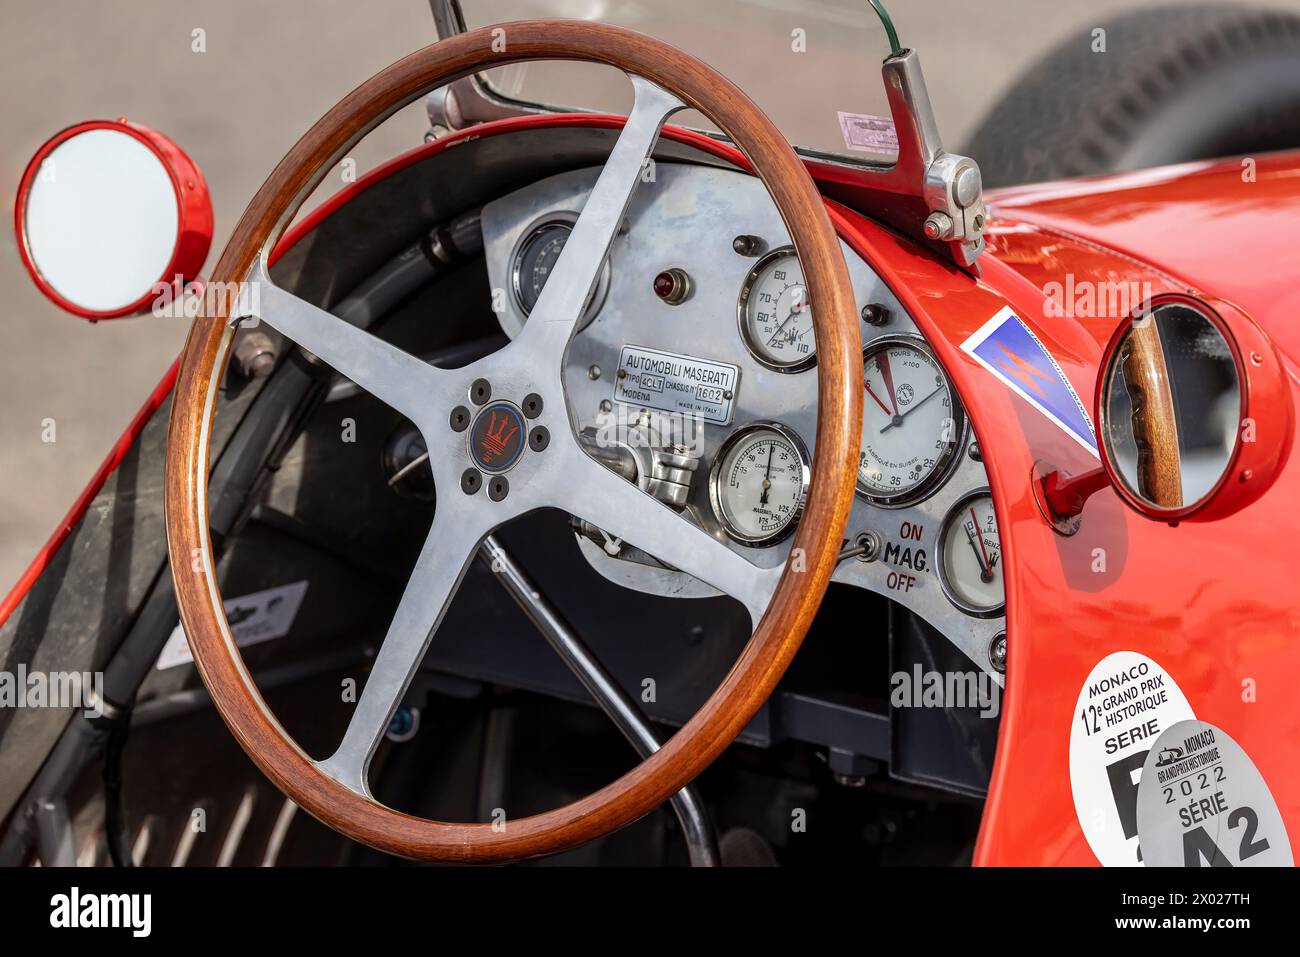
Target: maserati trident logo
[[496, 440]]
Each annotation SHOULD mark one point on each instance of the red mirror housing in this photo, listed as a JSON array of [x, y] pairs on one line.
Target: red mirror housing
[[95, 221]]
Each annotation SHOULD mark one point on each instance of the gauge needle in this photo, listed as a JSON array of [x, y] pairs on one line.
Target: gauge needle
[[883, 408], [898, 419], [767, 476], [795, 308], [986, 566], [886, 373]]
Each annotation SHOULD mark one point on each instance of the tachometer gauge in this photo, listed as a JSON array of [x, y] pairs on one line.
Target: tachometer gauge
[[534, 261], [970, 557], [758, 483], [912, 427], [775, 318]]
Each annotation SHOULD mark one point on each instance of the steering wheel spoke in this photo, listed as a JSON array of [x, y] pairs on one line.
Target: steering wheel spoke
[[396, 378], [450, 547], [622, 509], [564, 297]]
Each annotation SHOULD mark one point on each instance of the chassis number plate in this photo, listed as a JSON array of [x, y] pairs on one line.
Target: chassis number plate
[[668, 382]]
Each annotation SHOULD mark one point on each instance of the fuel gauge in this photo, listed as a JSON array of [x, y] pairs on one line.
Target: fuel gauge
[[970, 557]]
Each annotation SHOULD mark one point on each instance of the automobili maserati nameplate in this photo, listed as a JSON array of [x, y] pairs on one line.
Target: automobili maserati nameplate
[[668, 382]]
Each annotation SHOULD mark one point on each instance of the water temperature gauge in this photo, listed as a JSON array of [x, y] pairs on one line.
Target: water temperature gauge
[[970, 557], [759, 482]]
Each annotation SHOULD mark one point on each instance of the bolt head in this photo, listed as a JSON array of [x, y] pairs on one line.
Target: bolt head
[[459, 419], [938, 225], [967, 186], [874, 314], [498, 488], [998, 653], [480, 391], [471, 480]]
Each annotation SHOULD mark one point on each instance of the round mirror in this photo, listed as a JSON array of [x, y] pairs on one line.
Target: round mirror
[[111, 215], [1170, 408]]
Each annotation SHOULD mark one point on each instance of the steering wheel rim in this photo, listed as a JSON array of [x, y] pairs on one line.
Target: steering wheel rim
[[662, 76]]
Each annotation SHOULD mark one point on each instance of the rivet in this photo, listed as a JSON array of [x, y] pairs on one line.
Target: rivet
[[998, 652]]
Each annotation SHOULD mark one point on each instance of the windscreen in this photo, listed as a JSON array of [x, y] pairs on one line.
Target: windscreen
[[812, 65]]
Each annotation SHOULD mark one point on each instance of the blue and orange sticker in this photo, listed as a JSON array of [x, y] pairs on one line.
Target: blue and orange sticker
[[1006, 347]]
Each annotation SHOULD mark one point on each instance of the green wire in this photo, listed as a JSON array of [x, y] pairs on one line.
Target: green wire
[[890, 32]]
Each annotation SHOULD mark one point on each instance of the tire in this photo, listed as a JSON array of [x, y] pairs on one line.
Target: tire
[[1175, 84]]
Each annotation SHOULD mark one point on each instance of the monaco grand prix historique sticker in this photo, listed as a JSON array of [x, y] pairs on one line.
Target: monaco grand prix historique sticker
[[1203, 803], [1126, 703]]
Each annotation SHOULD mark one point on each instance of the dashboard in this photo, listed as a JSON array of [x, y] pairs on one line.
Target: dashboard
[[693, 374]]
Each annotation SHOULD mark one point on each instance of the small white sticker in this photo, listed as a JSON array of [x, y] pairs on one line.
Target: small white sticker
[[1126, 703], [1203, 803], [254, 618], [865, 133]]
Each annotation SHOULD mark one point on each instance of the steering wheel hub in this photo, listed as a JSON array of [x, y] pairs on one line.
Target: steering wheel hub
[[496, 437]]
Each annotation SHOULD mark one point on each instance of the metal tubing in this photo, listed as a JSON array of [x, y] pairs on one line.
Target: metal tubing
[[612, 699]]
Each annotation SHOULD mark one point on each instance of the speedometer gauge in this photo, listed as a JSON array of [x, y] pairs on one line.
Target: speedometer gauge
[[912, 426], [775, 319], [758, 483], [970, 557]]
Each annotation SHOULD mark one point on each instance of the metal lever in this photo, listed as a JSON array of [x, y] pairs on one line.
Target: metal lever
[[701, 844]]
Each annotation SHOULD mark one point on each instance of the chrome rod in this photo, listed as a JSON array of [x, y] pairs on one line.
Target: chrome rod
[[701, 843]]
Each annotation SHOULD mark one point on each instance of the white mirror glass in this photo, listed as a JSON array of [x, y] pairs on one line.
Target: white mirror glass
[[102, 220]]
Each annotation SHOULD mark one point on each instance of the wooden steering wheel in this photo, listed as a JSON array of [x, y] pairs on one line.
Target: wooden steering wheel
[[781, 601]]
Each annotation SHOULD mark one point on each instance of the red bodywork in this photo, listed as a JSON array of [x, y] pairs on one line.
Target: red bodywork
[[1212, 602]]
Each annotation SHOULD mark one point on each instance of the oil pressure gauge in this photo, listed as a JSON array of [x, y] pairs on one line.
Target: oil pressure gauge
[[759, 482], [775, 318], [970, 557]]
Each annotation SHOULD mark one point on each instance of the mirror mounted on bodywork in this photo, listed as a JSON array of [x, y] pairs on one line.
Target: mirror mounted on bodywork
[[1194, 416], [111, 217]]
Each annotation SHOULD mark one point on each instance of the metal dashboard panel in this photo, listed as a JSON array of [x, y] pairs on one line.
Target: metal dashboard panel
[[686, 217]]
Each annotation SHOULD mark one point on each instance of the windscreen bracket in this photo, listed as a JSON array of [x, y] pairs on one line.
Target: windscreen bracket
[[928, 194]]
